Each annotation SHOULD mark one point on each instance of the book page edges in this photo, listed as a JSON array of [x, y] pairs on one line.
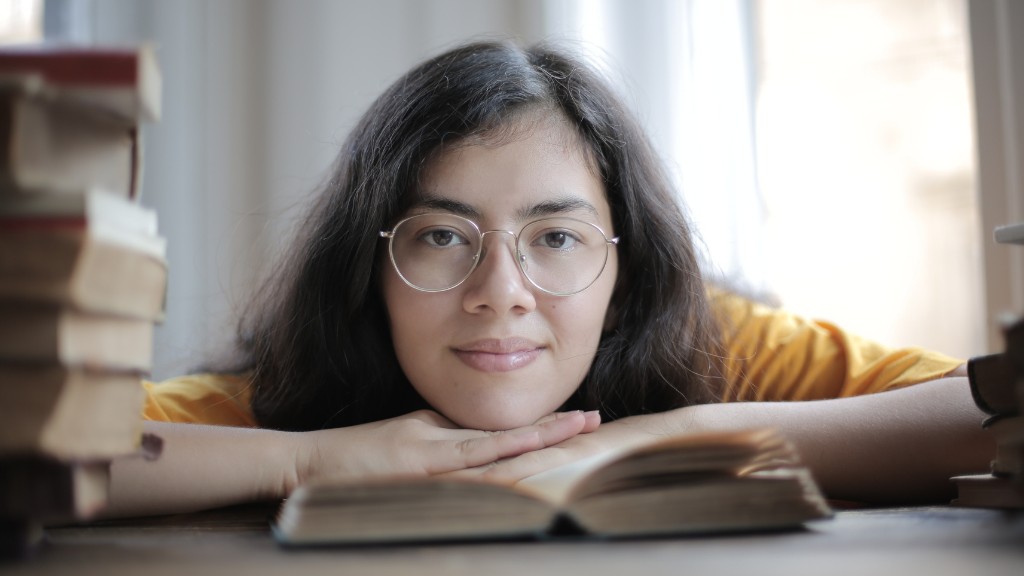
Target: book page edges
[[404, 509], [568, 482]]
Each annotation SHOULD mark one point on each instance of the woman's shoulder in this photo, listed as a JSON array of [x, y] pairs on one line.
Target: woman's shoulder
[[204, 398], [774, 354], [733, 305]]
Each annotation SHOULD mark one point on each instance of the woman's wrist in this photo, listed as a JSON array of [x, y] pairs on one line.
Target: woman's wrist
[[284, 466]]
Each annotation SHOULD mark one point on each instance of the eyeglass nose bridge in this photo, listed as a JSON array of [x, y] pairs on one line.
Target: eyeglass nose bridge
[[517, 254]]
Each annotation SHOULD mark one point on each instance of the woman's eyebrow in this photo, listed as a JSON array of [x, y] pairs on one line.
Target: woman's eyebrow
[[539, 210], [557, 206], [449, 205]]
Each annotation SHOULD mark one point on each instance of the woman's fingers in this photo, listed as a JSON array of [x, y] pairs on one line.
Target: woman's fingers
[[613, 436], [425, 442], [482, 450], [593, 419]]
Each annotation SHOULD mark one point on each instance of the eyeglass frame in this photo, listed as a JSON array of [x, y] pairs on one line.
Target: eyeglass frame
[[520, 258]]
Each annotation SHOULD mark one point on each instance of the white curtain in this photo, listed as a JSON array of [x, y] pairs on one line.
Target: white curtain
[[687, 67]]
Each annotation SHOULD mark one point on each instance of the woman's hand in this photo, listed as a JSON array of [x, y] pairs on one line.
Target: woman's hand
[[424, 443], [621, 433]]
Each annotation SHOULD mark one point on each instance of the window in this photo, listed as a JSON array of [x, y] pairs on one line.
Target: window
[[865, 152], [824, 148], [21, 21]]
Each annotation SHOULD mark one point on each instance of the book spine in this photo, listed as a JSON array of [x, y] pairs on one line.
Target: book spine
[[51, 490], [91, 275], [55, 335], [48, 147], [94, 67], [993, 383], [124, 83], [69, 413]]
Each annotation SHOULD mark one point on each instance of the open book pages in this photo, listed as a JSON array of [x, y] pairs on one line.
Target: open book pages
[[739, 453], [735, 481]]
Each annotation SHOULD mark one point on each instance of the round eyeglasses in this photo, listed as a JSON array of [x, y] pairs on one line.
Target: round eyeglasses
[[437, 252]]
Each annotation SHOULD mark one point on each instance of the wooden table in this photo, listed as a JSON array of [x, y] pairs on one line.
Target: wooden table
[[931, 541]]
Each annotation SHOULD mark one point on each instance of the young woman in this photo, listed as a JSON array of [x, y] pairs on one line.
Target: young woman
[[497, 280]]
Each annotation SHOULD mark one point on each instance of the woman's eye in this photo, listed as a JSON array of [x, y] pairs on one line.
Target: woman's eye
[[557, 240], [442, 238]]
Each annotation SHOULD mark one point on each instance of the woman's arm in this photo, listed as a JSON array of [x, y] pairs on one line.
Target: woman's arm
[[900, 446], [896, 446], [210, 466]]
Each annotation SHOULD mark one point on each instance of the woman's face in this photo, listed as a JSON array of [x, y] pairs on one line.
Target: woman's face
[[495, 352]]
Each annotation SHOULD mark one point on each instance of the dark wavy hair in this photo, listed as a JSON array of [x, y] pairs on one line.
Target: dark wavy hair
[[317, 339]]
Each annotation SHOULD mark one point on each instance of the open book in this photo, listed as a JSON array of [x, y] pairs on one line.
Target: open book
[[734, 481]]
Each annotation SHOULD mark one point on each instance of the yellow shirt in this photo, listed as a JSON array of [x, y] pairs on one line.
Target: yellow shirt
[[771, 355], [775, 355]]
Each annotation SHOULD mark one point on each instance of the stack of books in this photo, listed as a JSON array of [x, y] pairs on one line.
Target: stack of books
[[997, 384], [83, 275]]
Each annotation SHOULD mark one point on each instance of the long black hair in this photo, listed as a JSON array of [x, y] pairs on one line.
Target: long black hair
[[317, 341]]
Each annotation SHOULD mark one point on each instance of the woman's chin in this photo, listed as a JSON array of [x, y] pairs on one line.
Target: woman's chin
[[494, 420]]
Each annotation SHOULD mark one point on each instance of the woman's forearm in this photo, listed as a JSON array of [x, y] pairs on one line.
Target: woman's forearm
[[203, 467], [896, 446], [211, 466]]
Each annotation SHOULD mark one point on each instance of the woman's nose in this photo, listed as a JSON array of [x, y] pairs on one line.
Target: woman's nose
[[498, 283]]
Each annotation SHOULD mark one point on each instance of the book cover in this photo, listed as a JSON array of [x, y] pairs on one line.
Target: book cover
[[993, 381], [988, 491], [69, 413], [123, 81], [95, 252], [50, 334], [50, 490], [49, 147]]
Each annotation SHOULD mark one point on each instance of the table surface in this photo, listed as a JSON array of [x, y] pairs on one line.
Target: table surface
[[927, 541]]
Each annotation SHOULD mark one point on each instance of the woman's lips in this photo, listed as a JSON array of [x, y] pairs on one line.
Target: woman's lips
[[493, 355]]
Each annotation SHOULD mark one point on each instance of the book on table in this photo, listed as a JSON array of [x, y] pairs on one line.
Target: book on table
[[48, 147], [1008, 432], [122, 81], [51, 334], [52, 490], [69, 413], [83, 277], [988, 491], [1010, 233], [95, 252], [702, 483], [995, 383], [997, 386]]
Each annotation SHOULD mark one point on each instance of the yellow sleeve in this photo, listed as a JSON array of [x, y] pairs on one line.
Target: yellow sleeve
[[775, 355], [217, 399]]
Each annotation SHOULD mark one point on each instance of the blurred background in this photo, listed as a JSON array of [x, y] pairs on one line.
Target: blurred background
[[848, 157]]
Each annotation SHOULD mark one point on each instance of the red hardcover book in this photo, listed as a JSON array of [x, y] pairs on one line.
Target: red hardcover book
[[123, 81]]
